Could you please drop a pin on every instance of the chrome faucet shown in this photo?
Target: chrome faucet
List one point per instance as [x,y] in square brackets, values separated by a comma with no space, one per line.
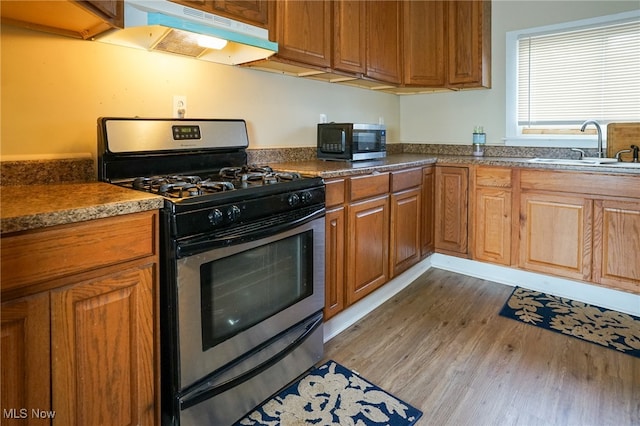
[599,130]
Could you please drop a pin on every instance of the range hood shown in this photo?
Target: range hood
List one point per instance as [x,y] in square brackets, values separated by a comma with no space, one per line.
[161,25]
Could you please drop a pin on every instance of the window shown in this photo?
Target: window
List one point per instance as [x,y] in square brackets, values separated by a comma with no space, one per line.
[559,76]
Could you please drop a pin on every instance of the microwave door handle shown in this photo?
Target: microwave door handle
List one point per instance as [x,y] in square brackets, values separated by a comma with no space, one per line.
[203,393]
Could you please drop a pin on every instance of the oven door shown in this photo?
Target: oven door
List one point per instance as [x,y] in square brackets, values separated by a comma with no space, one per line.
[235,300]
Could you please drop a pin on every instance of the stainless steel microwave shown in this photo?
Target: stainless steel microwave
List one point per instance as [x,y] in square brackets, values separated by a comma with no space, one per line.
[351,141]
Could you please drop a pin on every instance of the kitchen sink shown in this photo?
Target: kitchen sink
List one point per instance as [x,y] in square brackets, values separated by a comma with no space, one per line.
[606,162]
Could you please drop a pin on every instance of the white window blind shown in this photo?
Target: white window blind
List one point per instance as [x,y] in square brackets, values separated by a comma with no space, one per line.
[567,77]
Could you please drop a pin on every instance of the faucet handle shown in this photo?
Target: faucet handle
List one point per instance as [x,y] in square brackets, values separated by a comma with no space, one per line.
[582,154]
[622,151]
[635,153]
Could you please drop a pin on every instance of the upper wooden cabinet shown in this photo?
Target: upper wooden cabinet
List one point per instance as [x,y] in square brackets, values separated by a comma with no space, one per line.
[303,31]
[254,12]
[424,43]
[469,43]
[396,46]
[384,41]
[349,36]
[78,19]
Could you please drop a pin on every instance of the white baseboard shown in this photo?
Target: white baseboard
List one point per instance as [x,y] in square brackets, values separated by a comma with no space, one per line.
[575,290]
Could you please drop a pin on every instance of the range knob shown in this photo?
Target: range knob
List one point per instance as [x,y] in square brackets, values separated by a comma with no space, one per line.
[233,214]
[294,200]
[215,217]
[305,197]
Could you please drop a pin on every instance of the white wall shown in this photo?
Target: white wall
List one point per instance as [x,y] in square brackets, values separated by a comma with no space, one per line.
[54,88]
[450,117]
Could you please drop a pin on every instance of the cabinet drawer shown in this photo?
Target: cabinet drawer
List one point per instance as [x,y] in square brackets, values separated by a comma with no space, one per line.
[368,186]
[36,256]
[581,183]
[404,179]
[334,192]
[497,177]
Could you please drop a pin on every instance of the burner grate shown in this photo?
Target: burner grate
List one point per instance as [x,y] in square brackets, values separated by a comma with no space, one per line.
[180,186]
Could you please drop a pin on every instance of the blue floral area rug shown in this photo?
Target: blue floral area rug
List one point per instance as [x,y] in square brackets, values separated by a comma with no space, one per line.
[332,395]
[611,329]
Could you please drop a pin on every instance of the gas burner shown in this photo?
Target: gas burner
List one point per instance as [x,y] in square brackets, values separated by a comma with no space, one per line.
[180,186]
[288,176]
[239,172]
[217,186]
[258,175]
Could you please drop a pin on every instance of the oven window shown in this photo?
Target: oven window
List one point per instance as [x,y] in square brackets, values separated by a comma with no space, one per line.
[241,290]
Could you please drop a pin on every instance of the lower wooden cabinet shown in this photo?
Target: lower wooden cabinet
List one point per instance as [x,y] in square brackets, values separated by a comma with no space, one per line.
[406,220]
[581,226]
[405,230]
[555,234]
[334,262]
[451,234]
[376,227]
[367,247]
[102,346]
[428,219]
[616,244]
[26,361]
[82,342]
[491,213]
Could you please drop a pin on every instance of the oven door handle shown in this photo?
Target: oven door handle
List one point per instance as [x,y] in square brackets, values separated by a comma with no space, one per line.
[208,390]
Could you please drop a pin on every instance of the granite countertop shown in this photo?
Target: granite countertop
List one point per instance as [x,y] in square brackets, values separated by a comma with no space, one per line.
[334,169]
[331,169]
[38,206]
[56,203]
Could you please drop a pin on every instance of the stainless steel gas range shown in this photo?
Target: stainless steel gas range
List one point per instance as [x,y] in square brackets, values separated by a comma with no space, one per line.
[242,263]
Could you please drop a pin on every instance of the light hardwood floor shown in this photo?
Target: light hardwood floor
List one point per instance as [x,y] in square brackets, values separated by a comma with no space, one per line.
[441,346]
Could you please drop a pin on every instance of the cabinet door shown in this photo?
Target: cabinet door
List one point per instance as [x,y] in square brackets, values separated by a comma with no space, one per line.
[303,31]
[423,44]
[492,226]
[103,350]
[26,375]
[427,227]
[406,209]
[555,234]
[469,43]
[451,209]
[254,12]
[384,41]
[367,247]
[616,244]
[334,262]
[349,44]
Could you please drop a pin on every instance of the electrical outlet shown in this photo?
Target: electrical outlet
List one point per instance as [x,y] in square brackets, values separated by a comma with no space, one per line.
[179,106]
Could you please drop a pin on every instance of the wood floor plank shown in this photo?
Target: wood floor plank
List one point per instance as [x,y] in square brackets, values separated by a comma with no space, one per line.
[441,346]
